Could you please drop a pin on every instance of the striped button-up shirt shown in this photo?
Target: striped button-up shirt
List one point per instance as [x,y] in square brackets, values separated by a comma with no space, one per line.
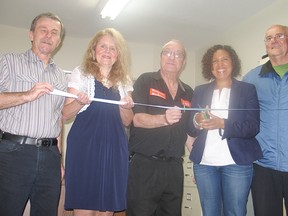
[40,118]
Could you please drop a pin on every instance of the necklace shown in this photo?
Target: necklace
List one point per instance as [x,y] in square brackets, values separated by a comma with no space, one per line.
[105,82]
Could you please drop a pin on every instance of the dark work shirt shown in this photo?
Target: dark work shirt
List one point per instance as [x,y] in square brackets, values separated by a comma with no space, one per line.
[169,140]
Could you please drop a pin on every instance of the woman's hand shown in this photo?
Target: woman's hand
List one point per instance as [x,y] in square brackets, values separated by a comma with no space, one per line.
[126,111]
[214,122]
[128,102]
[83,98]
[73,105]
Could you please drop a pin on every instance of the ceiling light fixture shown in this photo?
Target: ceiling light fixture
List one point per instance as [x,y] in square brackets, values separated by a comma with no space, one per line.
[113,8]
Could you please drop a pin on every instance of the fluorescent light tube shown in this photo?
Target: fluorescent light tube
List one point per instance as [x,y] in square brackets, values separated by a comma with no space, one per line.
[113,8]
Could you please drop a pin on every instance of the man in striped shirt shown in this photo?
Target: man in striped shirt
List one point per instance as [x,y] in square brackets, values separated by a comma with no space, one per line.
[30,123]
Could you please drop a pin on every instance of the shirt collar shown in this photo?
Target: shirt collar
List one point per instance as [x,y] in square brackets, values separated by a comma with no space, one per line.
[267,68]
[158,76]
[32,57]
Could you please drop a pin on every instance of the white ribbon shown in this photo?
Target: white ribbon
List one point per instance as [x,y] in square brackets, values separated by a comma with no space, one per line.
[66,94]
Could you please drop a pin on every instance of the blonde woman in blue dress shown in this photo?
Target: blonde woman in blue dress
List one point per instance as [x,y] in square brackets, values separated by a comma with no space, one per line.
[97,151]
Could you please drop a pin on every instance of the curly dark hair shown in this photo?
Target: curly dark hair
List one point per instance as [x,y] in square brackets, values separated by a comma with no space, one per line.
[208,56]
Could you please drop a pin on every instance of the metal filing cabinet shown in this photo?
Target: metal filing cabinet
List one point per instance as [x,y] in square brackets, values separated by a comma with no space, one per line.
[191,203]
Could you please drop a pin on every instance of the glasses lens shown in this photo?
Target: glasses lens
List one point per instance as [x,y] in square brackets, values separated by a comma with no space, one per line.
[177,54]
[279,36]
[166,53]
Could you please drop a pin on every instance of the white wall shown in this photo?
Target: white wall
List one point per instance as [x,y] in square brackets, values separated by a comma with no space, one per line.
[17,40]
[144,57]
[248,37]
[248,41]
[13,39]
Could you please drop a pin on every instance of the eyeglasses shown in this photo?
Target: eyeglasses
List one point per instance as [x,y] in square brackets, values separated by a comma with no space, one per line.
[177,54]
[279,36]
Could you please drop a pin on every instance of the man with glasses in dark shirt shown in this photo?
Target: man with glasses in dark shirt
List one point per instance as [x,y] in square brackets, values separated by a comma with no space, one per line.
[158,137]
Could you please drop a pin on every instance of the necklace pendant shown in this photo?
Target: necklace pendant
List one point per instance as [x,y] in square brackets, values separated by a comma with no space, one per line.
[105,82]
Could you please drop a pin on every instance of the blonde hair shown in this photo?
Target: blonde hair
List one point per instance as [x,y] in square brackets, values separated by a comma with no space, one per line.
[120,71]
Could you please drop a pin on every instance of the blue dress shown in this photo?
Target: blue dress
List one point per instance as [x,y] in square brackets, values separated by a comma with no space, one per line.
[96,168]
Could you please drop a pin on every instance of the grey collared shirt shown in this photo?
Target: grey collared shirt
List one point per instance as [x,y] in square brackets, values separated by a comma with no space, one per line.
[40,118]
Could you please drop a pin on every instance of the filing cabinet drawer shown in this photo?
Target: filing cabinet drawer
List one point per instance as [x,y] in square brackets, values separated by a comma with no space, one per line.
[188,172]
[191,203]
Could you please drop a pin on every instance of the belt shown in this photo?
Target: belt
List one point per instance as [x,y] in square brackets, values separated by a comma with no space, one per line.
[154,157]
[44,142]
[163,158]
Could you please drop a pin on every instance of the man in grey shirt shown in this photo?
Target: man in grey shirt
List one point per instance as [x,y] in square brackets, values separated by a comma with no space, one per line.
[30,123]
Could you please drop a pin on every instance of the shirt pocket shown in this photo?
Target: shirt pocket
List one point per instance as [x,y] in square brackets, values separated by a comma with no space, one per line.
[24,82]
[26,78]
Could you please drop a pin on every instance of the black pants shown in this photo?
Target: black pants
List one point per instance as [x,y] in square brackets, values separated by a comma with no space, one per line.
[29,172]
[155,186]
[269,188]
